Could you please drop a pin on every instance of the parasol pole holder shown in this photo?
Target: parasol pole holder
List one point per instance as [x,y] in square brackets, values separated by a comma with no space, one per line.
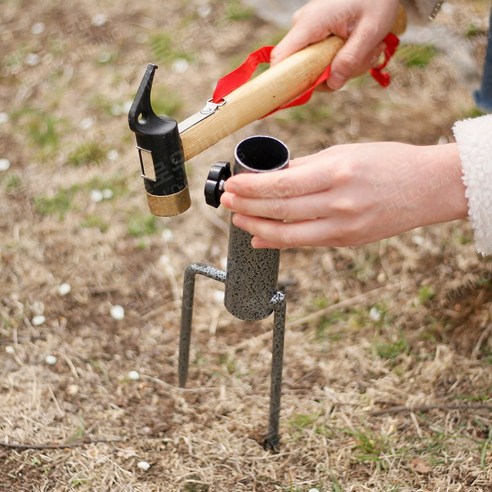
[251,276]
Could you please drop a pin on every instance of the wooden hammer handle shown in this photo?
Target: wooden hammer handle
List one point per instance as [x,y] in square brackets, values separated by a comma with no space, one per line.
[273,88]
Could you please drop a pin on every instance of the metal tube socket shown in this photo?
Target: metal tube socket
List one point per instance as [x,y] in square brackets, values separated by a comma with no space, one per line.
[252,274]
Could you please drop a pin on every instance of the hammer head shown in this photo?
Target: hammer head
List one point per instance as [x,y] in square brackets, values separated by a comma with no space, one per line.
[160,152]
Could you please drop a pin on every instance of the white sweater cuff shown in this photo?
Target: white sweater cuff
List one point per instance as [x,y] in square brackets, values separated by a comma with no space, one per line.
[474,138]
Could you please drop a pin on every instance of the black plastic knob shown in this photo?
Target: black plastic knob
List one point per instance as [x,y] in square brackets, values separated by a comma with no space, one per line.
[214,187]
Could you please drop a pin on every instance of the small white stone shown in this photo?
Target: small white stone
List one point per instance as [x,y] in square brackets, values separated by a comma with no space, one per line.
[50,360]
[167,235]
[87,123]
[72,389]
[64,289]
[107,193]
[4,164]
[38,320]
[37,28]
[32,59]
[418,240]
[313,490]
[117,109]
[104,57]
[164,260]
[9,349]
[204,11]
[134,375]
[143,465]
[381,277]
[180,66]
[375,314]
[99,20]
[4,117]
[112,155]
[97,196]
[126,106]
[117,312]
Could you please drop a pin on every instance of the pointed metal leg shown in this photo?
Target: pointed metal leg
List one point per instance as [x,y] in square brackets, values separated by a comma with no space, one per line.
[187,313]
[272,440]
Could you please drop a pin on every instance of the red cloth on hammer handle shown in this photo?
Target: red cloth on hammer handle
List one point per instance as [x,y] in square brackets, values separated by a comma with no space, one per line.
[245,71]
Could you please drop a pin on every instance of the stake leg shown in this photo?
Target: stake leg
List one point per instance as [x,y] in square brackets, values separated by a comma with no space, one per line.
[272,440]
[187,313]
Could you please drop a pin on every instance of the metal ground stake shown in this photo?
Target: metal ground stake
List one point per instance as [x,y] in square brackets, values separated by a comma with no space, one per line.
[251,277]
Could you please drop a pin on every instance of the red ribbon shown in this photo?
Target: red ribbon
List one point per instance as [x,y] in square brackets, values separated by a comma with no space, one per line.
[383,78]
[245,71]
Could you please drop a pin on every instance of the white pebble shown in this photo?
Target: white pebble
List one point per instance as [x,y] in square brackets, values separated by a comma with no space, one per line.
[167,235]
[38,320]
[86,123]
[97,196]
[4,164]
[37,28]
[9,349]
[164,260]
[107,193]
[50,360]
[4,117]
[204,11]
[72,389]
[117,109]
[64,289]
[313,490]
[180,66]
[112,155]
[104,57]
[143,465]
[127,105]
[375,314]
[117,312]
[134,375]
[32,59]
[99,20]
[418,240]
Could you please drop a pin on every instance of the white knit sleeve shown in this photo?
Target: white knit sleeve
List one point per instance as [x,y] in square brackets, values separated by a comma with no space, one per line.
[474,138]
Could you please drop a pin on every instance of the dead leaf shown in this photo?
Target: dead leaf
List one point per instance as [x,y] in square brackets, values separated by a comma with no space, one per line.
[421,466]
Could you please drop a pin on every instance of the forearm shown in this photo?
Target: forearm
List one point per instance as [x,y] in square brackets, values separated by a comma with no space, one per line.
[439,193]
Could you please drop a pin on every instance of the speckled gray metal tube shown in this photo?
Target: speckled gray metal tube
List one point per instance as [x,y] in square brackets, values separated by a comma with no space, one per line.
[252,274]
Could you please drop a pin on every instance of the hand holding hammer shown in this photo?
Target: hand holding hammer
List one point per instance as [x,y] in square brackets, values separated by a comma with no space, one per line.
[164,146]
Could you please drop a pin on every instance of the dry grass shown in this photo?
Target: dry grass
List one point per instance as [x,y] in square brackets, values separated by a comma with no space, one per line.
[389,390]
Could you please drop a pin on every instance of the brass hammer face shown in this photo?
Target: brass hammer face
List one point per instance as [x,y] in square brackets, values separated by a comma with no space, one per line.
[160,152]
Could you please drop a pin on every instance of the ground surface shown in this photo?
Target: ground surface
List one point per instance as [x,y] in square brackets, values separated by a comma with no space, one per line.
[388,355]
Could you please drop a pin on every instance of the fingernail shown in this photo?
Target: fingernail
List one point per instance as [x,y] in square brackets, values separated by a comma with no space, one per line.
[226,200]
[335,81]
[257,243]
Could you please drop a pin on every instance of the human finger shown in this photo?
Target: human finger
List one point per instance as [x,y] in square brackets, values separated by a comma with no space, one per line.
[297,208]
[350,59]
[291,182]
[301,35]
[281,235]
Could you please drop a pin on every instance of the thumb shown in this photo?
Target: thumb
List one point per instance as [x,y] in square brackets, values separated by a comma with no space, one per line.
[296,39]
[352,55]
